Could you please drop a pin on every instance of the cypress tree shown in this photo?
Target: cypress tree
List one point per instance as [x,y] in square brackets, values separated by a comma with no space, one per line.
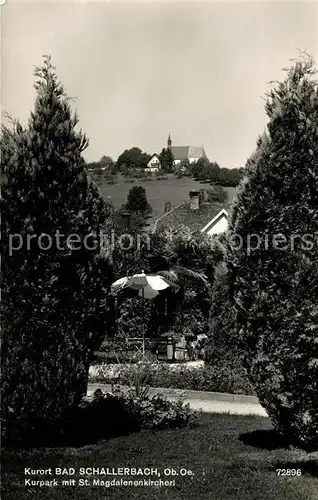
[55,286]
[273,258]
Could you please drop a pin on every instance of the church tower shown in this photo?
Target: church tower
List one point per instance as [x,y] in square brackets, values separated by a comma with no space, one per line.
[169,142]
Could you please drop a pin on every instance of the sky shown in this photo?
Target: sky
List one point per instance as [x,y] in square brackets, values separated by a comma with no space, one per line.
[139,71]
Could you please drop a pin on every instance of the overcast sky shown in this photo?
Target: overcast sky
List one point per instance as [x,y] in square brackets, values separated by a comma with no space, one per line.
[141,70]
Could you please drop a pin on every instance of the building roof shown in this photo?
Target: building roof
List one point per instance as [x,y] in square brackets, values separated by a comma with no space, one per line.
[193,219]
[187,152]
[223,214]
[155,155]
[196,152]
[180,152]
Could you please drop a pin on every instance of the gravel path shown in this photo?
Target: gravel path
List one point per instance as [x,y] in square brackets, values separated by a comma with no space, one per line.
[233,408]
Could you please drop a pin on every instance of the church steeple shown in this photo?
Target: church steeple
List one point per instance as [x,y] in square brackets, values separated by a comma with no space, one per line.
[169,142]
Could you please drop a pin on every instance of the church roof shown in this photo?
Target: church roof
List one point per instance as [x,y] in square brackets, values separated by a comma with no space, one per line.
[196,152]
[187,152]
[180,152]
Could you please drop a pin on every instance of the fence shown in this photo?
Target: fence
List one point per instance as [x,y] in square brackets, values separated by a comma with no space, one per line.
[130,350]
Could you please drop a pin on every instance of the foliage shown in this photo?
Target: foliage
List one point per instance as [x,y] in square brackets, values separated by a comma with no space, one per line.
[104,166]
[158,413]
[187,261]
[133,158]
[119,350]
[137,200]
[106,415]
[184,249]
[107,164]
[183,166]
[133,317]
[192,318]
[217,193]
[222,346]
[55,308]
[94,167]
[216,378]
[275,283]
[203,170]
[166,160]
[140,388]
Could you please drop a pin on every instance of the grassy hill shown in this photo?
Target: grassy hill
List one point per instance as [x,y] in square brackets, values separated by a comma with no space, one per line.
[159,192]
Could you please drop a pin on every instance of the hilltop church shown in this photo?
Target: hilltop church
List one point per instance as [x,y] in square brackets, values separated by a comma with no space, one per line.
[181,153]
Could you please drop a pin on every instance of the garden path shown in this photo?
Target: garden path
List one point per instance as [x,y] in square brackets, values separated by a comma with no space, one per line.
[231,407]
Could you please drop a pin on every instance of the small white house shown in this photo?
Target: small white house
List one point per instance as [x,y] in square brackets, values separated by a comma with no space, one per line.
[153,164]
[219,224]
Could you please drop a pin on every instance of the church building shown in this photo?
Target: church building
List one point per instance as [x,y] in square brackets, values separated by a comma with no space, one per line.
[181,153]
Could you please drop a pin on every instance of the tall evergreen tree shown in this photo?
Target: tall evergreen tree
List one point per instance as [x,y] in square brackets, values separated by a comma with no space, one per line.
[166,160]
[55,289]
[273,258]
[137,200]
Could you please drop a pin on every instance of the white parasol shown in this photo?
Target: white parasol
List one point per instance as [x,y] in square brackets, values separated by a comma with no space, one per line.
[148,287]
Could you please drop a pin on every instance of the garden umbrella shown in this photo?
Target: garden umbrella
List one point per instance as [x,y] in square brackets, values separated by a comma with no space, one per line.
[148,287]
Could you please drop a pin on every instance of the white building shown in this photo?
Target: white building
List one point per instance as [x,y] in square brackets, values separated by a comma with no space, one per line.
[153,164]
[219,223]
[182,153]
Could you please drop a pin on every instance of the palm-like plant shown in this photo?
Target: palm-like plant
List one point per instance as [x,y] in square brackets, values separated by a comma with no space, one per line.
[189,258]
[178,276]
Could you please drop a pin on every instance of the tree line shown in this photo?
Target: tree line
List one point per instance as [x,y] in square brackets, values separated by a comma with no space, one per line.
[134,159]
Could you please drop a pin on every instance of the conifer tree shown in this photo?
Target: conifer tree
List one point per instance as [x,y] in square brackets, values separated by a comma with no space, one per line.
[55,287]
[166,160]
[137,200]
[273,258]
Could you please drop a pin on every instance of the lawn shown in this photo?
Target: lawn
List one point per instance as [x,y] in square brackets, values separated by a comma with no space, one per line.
[159,192]
[231,457]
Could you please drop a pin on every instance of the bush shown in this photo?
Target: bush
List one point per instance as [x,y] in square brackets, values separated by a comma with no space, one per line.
[158,413]
[275,283]
[218,378]
[119,413]
[137,200]
[222,345]
[216,194]
[55,308]
[108,415]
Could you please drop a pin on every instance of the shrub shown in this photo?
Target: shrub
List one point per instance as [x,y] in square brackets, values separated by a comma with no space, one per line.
[217,194]
[118,413]
[222,347]
[158,413]
[218,378]
[275,283]
[107,415]
[54,298]
[137,200]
